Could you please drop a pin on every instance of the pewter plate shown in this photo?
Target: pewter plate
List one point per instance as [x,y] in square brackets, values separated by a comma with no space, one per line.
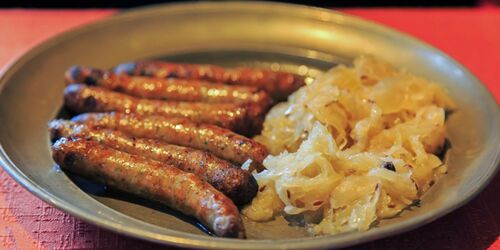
[279,36]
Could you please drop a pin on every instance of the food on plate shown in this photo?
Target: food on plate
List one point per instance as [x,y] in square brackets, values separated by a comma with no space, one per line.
[237,184]
[357,145]
[153,132]
[221,142]
[277,83]
[242,118]
[152,179]
[170,89]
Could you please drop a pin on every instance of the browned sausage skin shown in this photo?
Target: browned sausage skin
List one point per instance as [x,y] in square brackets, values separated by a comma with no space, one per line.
[168,89]
[153,180]
[279,84]
[238,184]
[242,118]
[221,142]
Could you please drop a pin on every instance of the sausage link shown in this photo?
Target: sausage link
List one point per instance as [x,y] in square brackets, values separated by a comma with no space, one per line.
[152,180]
[244,118]
[170,89]
[278,83]
[239,185]
[221,142]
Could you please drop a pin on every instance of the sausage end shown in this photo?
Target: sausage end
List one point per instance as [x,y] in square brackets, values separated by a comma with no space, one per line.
[126,68]
[80,74]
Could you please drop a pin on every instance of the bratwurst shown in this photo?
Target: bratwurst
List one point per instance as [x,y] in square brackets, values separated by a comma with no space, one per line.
[278,83]
[242,118]
[239,185]
[221,142]
[152,180]
[168,89]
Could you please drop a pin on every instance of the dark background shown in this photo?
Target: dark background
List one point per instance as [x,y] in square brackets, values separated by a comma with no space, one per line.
[135,3]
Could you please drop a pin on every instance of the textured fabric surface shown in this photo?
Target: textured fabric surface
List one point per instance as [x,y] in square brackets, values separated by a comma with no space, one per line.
[472,36]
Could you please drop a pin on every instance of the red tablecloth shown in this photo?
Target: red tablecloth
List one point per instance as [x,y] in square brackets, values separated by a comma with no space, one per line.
[472,36]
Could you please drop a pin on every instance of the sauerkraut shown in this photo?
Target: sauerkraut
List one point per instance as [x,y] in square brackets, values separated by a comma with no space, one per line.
[357,145]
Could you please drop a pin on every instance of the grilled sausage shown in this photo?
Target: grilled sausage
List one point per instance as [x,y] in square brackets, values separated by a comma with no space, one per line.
[238,184]
[279,84]
[152,180]
[221,142]
[240,118]
[168,89]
